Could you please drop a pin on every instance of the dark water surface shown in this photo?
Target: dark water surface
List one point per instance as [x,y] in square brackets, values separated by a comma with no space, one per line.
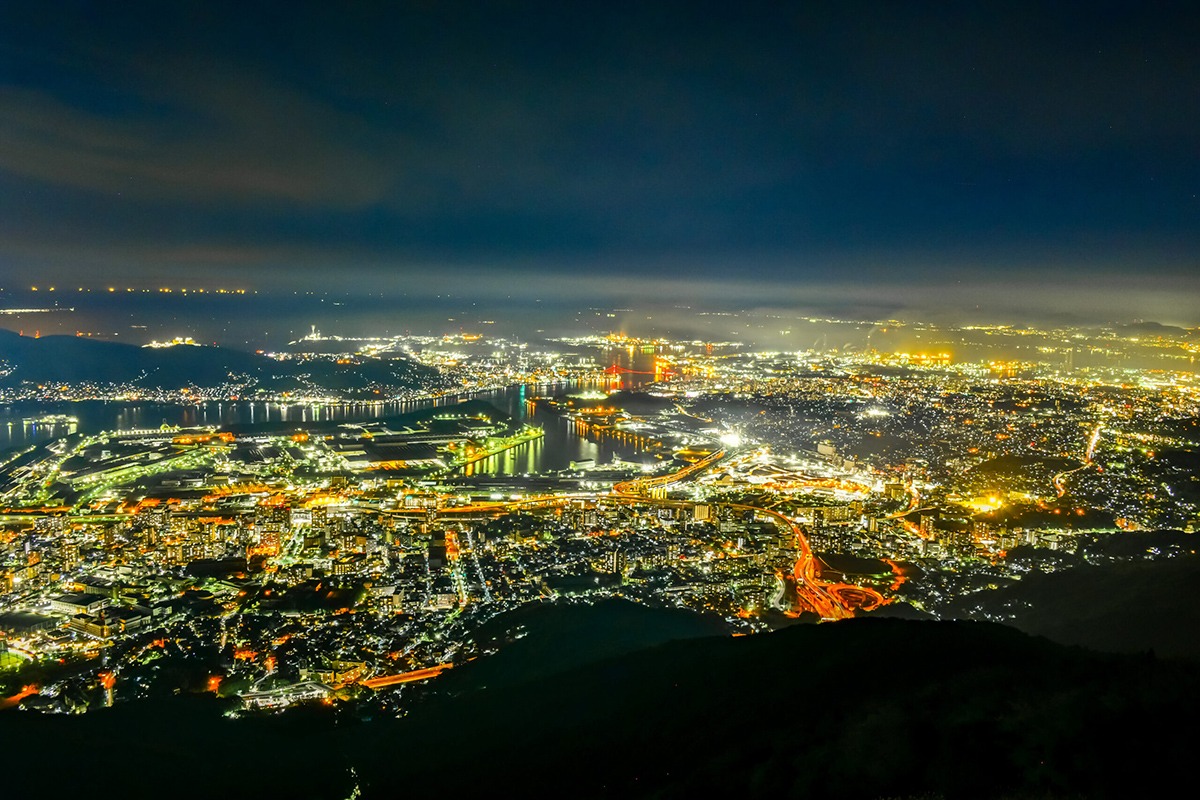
[20,425]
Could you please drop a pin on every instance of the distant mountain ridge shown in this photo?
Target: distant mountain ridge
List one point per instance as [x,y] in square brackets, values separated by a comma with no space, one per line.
[72,360]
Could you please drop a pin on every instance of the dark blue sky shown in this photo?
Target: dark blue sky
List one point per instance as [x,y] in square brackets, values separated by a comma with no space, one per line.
[769,150]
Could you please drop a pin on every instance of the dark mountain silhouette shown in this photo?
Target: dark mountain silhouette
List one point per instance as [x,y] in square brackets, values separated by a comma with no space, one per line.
[53,360]
[542,640]
[859,709]
[1124,607]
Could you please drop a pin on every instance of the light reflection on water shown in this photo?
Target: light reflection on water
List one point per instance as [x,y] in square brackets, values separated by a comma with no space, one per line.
[562,443]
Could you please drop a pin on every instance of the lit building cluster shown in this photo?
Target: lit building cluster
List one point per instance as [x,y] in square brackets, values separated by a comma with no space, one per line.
[327,558]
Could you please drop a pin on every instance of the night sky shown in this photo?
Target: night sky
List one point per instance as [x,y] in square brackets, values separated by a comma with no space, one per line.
[1027,155]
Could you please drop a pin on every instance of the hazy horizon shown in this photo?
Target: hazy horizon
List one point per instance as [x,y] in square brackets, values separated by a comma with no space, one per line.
[990,160]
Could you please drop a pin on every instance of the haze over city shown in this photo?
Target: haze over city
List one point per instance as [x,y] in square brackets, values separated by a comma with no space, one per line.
[599,399]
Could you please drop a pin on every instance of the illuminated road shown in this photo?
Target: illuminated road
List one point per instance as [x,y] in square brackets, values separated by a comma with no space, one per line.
[1095,440]
[406,677]
[914,504]
[829,600]
[687,413]
[636,486]
[496,507]
[14,700]
[1060,480]
[900,572]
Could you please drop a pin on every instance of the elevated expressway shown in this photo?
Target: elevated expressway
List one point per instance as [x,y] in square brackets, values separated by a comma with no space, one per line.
[828,599]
